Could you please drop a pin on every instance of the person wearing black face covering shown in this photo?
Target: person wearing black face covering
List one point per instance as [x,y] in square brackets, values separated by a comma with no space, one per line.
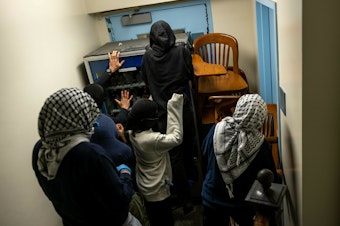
[151,148]
[109,131]
[167,69]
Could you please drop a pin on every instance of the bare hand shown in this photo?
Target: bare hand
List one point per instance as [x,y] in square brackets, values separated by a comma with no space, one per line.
[120,129]
[114,64]
[125,100]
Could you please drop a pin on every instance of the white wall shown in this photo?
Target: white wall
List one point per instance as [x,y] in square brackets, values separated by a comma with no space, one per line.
[237,18]
[42,45]
[320,118]
[289,16]
[308,35]
[105,5]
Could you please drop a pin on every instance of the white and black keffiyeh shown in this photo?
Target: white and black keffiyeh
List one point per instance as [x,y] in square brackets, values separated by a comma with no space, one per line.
[237,139]
[65,120]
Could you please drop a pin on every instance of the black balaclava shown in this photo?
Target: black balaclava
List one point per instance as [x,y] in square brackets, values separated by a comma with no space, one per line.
[162,37]
[96,91]
[143,115]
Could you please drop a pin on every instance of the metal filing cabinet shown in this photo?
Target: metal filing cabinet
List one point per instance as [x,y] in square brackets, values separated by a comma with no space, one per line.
[129,77]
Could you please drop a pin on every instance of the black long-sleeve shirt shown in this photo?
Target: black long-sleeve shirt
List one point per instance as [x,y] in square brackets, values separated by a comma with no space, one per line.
[167,69]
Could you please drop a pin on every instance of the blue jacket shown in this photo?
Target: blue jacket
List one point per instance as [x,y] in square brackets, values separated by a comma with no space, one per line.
[106,135]
[214,191]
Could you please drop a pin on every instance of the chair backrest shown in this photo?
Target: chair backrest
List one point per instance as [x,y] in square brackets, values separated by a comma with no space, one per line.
[269,128]
[270,131]
[223,105]
[218,48]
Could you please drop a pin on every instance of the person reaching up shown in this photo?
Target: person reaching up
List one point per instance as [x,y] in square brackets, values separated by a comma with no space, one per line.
[151,148]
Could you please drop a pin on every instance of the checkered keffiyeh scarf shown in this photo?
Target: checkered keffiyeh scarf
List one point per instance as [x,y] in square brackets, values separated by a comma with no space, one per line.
[65,120]
[237,139]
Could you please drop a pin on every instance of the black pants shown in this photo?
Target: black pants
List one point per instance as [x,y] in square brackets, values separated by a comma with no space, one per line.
[160,213]
[182,156]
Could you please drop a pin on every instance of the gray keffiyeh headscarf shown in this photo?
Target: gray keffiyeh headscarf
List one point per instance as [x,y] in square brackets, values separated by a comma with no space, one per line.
[237,139]
[65,120]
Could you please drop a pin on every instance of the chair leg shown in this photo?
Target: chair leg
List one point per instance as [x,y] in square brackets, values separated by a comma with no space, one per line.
[199,108]
[232,222]
[261,220]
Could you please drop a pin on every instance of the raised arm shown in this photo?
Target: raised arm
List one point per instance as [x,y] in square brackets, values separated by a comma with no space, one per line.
[114,65]
[174,131]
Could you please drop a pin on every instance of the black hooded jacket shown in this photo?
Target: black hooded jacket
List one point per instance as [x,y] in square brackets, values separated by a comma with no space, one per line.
[166,68]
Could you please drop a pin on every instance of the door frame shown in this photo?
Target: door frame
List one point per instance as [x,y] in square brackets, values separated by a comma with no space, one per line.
[266,28]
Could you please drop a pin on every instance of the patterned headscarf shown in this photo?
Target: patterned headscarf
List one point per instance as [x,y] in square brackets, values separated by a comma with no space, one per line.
[237,139]
[65,120]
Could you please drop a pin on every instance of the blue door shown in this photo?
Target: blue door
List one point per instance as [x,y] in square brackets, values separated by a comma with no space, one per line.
[193,16]
[267,49]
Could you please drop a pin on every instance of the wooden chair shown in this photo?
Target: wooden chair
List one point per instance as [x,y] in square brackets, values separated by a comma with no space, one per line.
[223,106]
[270,131]
[215,62]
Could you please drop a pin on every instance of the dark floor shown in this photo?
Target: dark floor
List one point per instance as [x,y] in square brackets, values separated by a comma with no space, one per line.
[194,218]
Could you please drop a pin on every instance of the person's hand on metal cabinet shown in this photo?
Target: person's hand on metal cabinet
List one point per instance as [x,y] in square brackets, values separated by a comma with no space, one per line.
[125,99]
[114,64]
